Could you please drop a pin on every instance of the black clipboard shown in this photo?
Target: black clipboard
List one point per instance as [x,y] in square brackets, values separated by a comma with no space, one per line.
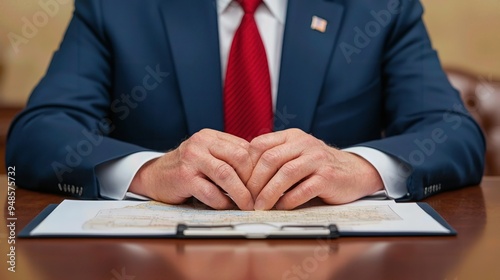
[248,231]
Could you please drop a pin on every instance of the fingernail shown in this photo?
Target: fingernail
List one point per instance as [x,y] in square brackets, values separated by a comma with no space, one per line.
[259,205]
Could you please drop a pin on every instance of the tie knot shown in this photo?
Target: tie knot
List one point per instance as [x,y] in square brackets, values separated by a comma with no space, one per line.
[249,6]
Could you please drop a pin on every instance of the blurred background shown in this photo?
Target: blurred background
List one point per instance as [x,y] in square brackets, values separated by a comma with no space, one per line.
[465,33]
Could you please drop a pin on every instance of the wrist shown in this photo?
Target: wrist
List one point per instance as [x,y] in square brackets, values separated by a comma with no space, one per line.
[371,177]
[140,183]
[367,176]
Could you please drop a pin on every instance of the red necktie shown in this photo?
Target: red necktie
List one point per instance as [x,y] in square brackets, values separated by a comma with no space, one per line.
[247,90]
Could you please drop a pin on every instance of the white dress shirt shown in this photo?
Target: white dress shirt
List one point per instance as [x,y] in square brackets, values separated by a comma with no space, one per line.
[115,176]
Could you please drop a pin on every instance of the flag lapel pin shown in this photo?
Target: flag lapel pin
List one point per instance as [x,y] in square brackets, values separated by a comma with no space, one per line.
[318,24]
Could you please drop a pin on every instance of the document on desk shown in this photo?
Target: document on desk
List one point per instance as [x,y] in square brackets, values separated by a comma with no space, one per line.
[133,218]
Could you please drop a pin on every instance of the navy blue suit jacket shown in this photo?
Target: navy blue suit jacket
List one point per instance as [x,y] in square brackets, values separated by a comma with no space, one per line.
[141,75]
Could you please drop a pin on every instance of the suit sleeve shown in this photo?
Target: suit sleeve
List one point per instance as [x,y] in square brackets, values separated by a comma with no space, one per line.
[62,135]
[427,126]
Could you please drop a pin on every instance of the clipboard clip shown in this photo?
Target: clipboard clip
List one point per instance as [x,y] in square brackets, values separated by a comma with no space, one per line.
[258,231]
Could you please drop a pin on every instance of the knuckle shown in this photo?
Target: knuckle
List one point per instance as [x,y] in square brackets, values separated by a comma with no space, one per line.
[243,195]
[187,151]
[311,141]
[253,184]
[289,169]
[245,145]
[213,198]
[270,193]
[296,131]
[206,190]
[266,195]
[319,156]
[258,144]
[207,193]
[308,190]
[328,173]
[198,137]
[223,171]
[270,157]
[204,131]
[240,155]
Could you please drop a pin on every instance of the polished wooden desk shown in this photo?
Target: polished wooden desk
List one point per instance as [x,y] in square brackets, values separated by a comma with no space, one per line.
[474,254]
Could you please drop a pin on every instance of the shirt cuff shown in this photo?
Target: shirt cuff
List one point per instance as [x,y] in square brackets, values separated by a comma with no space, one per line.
[116,176]
[388,167]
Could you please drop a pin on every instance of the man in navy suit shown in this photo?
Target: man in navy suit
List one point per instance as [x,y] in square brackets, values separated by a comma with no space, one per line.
[360,104]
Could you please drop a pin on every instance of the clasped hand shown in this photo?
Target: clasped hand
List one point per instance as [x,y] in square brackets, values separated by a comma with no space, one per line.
[282,169]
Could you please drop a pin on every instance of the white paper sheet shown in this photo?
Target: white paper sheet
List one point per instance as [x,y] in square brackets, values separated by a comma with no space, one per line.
[129,218]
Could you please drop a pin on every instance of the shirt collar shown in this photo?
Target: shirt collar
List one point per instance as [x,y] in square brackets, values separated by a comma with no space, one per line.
[277,7]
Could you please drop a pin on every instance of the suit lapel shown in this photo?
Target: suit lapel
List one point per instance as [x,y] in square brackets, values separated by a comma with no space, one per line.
[192,31]
[305,58]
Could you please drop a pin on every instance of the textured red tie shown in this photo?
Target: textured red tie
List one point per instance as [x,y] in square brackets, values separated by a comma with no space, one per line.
[247,90]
